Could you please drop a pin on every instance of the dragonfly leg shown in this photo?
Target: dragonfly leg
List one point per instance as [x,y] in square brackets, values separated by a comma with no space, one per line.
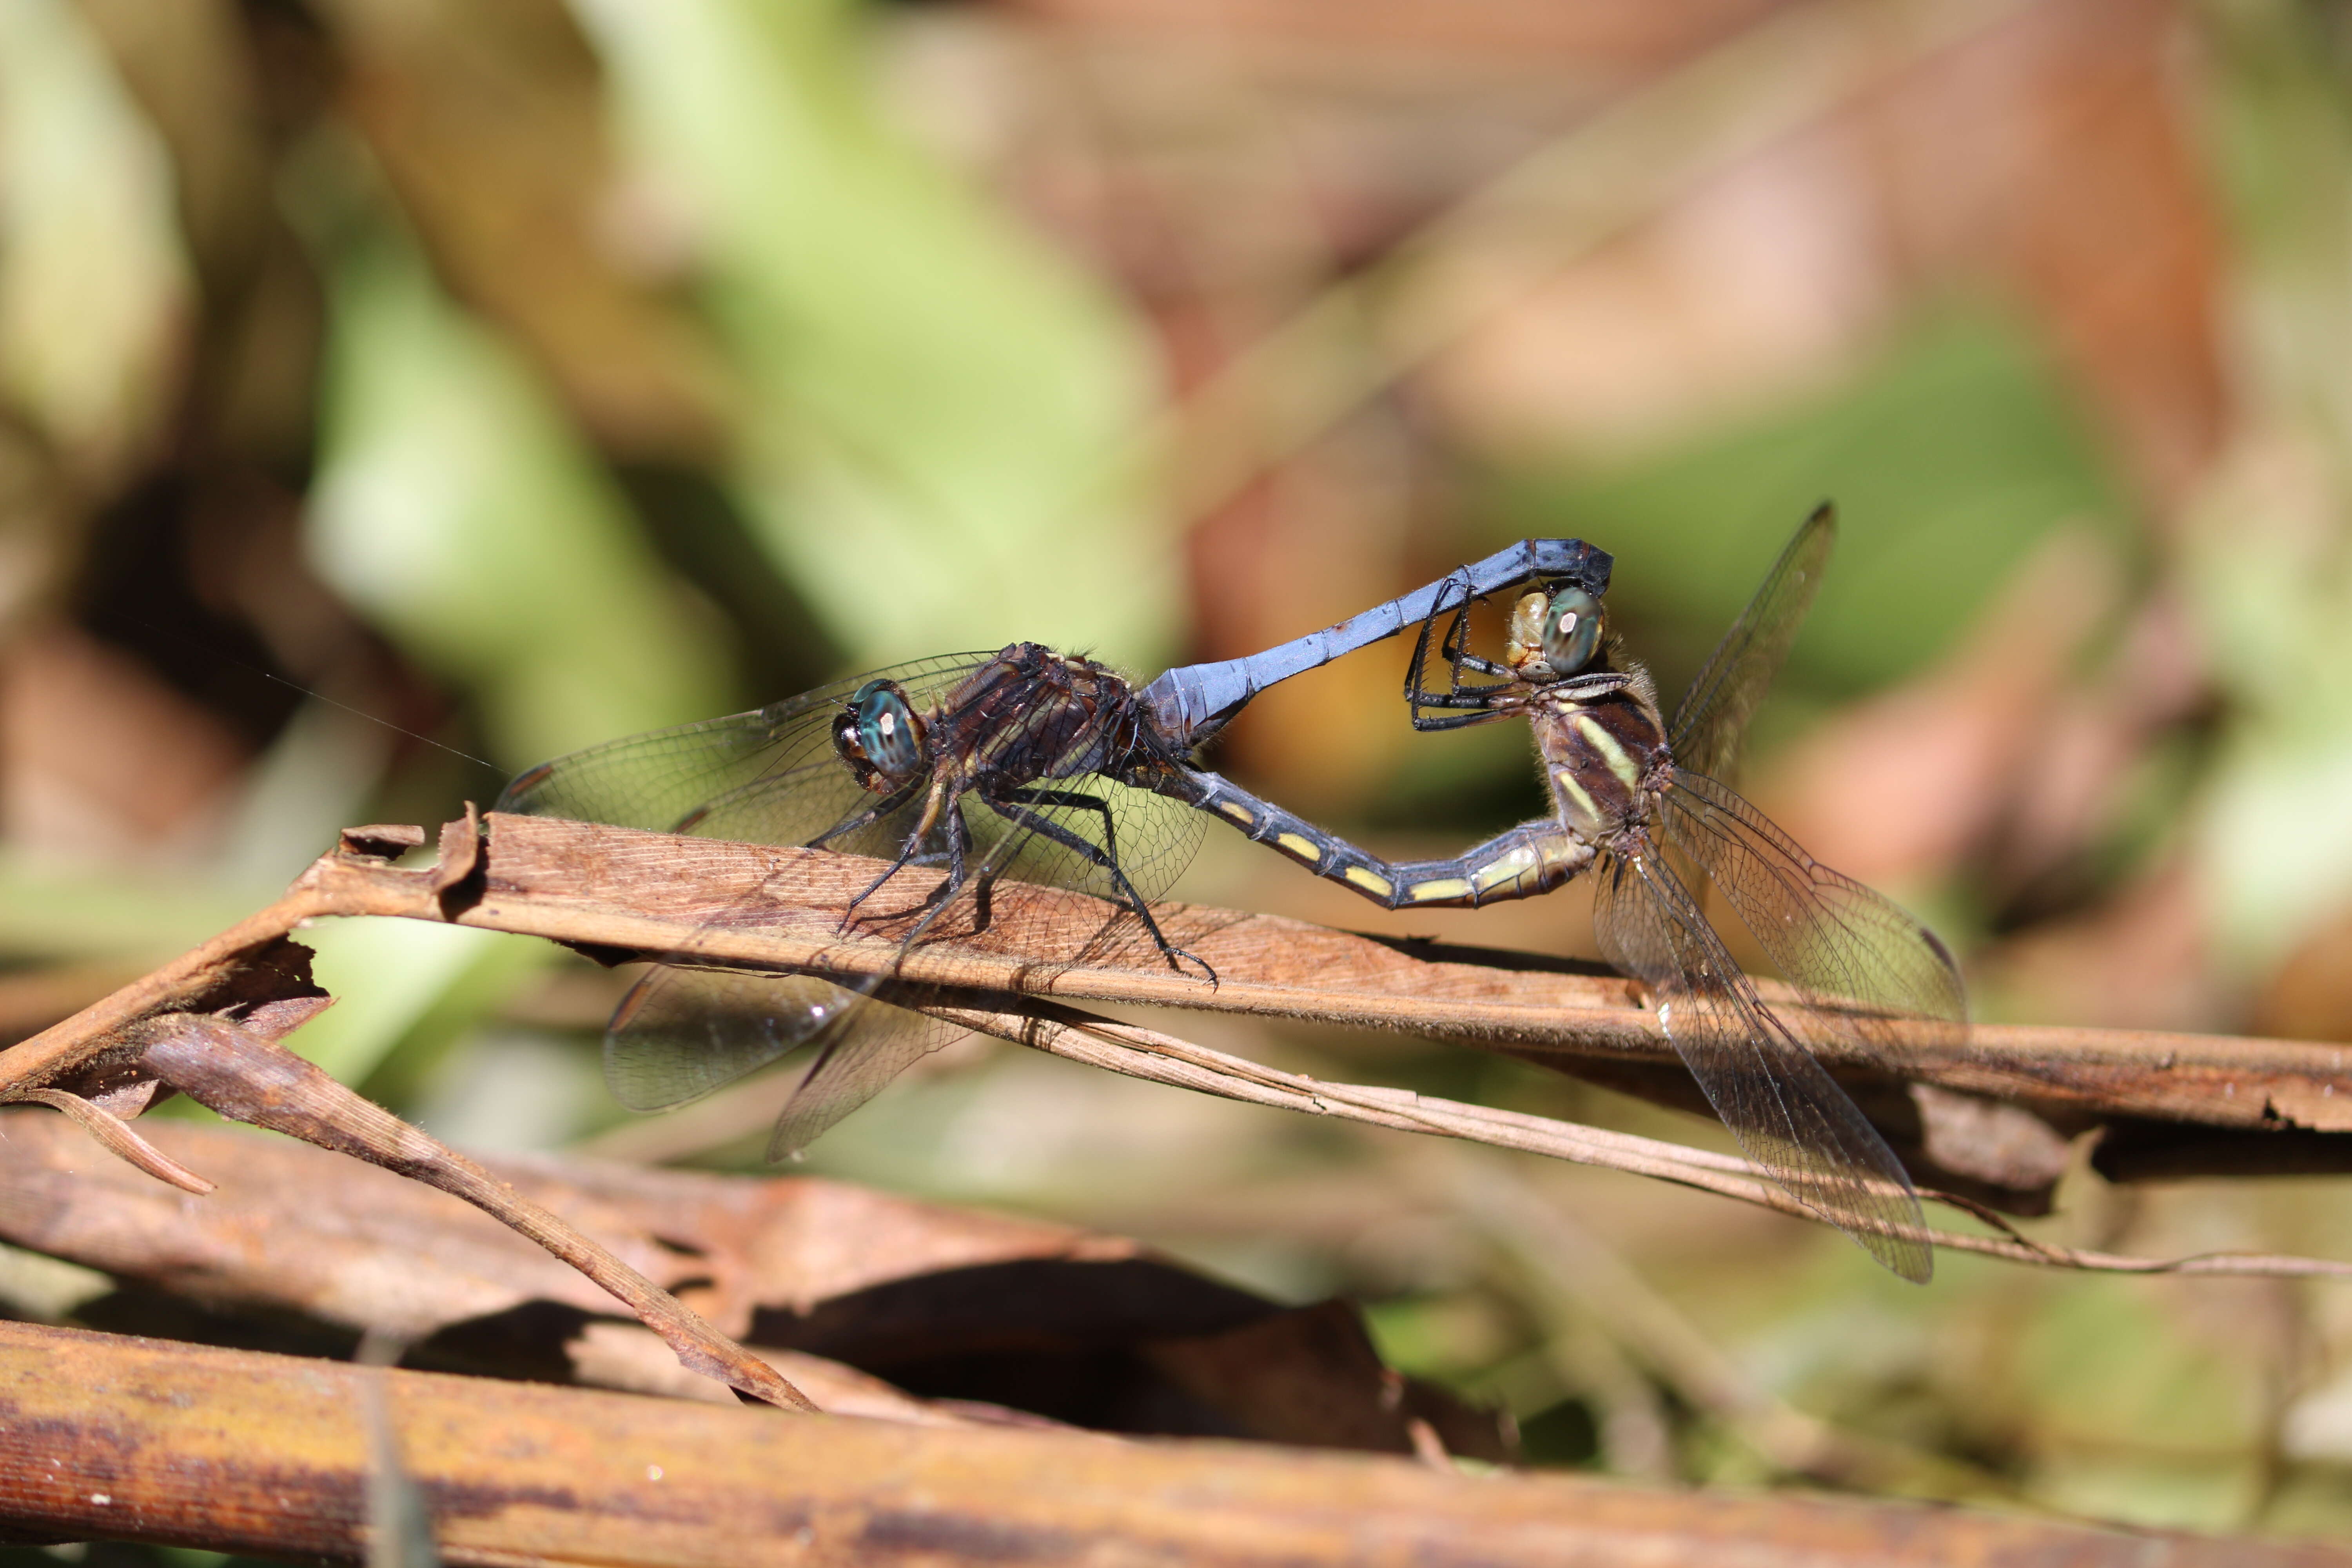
[1079,800]
[1529,860]
[870,815]
[1418,694]
[1455,651]
[1015,804]
[907,856]
[1429,725]
[984,887]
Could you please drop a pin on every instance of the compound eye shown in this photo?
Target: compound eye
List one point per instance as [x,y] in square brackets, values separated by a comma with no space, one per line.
[1572,627]
[1523,640]
[880,729]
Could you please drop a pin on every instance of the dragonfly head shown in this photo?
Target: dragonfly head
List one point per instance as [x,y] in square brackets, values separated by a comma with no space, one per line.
[879,735]
[1554,635]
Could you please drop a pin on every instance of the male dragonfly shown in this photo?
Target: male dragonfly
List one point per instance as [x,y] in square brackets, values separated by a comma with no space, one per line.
[1020,766]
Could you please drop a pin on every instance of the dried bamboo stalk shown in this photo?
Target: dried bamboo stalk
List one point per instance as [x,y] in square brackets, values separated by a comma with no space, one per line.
[127,1439]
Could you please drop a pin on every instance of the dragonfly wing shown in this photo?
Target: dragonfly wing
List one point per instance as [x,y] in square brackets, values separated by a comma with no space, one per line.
[1090,834]
[680,1033]
[771,777]
[1713,717]
[1042,811]
[768,776]
[650,780]
[1874,973]
[1062,832]
[1085,832]
[1788,1115]
[866,1049]
[746,774]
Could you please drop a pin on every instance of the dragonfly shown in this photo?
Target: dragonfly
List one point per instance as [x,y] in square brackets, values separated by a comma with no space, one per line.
[1649,799]
[1643,804]
[1006,770]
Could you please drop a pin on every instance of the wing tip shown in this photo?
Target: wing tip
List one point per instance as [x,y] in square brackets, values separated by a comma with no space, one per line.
[1913,1262]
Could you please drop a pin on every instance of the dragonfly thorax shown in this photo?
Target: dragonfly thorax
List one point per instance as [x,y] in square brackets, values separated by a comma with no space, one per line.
[1032,714]
[1605,758]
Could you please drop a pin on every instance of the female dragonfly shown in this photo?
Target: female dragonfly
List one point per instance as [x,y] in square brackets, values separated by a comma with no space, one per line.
[1643,803]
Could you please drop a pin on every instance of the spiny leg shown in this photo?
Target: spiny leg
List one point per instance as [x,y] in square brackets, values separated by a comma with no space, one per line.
[934,903]
[1106,857]
[1078,800]
[1455,651]
[1432,725]
[907,856]
[984,881]
[1013,804]
[1417,693]
[872,814]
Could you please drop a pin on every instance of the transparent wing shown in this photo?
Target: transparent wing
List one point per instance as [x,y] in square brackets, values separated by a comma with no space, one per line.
[771,777]
[1788,1115]
[866,1050]
[682,1033]
[1708,726]
[1876,975]
[768,776]
[1089,833]
[1034,806]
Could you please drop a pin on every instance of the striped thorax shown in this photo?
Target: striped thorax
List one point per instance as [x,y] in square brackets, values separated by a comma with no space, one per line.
[1604,756]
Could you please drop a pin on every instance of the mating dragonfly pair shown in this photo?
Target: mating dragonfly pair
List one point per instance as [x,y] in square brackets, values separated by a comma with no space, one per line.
[1031,767]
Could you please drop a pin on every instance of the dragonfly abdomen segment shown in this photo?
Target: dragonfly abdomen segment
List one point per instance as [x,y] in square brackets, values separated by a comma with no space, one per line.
[1529,860]
[1186,706]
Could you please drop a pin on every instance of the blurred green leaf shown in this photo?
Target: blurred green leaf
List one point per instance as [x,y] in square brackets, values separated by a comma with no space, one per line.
[456,507]
[406,986]
[94,286]
[936,400]
[2270,565]
[2274,834]
[1448,1338]
[59,912]
[2130,1416]
[1946,462]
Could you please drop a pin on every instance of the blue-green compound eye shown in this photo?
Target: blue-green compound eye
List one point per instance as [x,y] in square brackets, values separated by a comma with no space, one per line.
[1571,631]
[889,734]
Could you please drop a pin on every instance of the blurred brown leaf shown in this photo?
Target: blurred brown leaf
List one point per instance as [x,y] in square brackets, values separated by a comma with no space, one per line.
[99,756]
[1903,788]
[491,124]
[1089,1328]
[2310,997]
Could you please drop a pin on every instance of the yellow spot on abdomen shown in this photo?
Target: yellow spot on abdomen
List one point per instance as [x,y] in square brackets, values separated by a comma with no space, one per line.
[1370,881]
[1438,888]
[1306,849]
[1503,868]
[1238,811]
